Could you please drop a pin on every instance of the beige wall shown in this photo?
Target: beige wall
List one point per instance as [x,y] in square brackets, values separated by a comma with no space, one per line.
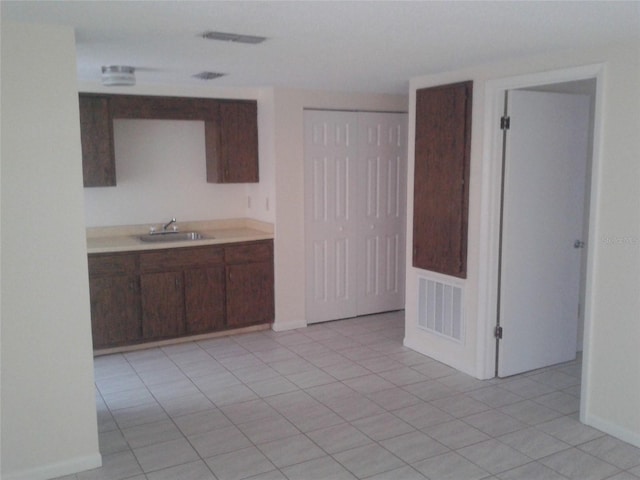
[48,420]
[288,124]
[611,390]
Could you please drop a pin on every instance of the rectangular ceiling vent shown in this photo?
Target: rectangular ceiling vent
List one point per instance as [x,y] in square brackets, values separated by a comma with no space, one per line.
[233,37]
[208,75]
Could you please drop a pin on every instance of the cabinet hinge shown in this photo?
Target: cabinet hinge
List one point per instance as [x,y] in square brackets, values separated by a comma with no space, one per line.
[497,333]
[505,123]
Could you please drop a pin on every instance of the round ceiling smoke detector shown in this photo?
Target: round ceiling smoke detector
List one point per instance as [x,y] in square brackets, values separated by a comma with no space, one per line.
[117,75]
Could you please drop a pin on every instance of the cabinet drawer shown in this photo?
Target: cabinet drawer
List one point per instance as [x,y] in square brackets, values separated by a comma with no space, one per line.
[254,252]
[111,264]
[179,258]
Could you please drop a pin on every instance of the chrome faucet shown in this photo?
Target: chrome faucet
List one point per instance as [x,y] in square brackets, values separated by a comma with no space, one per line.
[168,224]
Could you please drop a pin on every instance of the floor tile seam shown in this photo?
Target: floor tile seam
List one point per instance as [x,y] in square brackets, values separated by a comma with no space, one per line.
[257,445]
[184,436]
[333,456]
[573,447]
[530,463]
[253,445]
[536,400]
[582,444]
[182,367]
[497,439]
[283,417]
[457,451]
[414,429]
[131,363]
[188,440]
[174,465]
[369,395]
[134,457]
[537,427]
[370,442]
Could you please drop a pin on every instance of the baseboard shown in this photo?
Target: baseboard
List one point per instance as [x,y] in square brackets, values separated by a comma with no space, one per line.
[283,326]
[54,470]
[613,429]
[418,347]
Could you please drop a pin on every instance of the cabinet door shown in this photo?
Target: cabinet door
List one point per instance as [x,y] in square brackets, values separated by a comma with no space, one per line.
[441,180]
[162,305]
[232,143]
[96,132]
[250,294]
[115,310]
[204,298]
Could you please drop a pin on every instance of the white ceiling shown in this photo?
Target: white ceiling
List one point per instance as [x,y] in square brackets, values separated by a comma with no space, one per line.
[365,46]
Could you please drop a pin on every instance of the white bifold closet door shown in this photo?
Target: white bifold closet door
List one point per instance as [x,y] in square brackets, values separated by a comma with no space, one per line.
[355,198]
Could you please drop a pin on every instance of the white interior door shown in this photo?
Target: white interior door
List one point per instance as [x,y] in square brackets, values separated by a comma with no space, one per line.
[381,219]
[331,148]
[355,176]
[544,195]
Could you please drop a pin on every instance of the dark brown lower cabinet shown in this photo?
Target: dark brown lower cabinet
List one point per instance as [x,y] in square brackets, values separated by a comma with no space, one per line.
[115,310]
[162,297]
[114,288]
[204,294]
[152,295]
[249,294]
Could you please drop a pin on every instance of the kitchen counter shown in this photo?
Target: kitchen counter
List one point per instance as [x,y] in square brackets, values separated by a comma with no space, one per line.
[125,238]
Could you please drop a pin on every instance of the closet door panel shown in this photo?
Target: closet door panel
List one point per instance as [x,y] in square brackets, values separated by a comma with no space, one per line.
[381,222]
[330,176]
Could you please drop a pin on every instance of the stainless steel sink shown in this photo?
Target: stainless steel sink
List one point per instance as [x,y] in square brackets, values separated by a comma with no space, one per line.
[172,237]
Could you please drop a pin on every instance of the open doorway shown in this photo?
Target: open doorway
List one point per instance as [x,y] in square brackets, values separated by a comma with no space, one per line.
[489,265]
[547,146]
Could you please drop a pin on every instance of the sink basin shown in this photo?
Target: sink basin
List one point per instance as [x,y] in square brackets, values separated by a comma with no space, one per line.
[172,236]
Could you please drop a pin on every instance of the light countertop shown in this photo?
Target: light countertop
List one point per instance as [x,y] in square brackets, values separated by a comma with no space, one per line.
[125,238]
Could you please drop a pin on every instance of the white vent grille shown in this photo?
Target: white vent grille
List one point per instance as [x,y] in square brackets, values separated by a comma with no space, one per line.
[233,37]
[440,308]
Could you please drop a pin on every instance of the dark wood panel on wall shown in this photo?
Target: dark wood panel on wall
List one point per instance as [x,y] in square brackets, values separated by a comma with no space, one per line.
[163,108]
[96,127]
[231,133]
[232,143]
[441,180]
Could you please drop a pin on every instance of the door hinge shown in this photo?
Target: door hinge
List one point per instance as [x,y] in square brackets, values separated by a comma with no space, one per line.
[497,333]
[505,123]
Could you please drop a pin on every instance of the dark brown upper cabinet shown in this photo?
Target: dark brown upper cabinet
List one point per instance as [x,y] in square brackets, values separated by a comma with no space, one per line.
[231,133]
[96,127]
[232,143]
[441,180]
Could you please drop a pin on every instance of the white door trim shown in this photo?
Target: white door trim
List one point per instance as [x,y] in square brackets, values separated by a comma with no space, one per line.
[490,210]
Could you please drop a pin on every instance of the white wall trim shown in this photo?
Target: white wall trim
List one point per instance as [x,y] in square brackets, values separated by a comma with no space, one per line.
[280,326]
[490,208]
[54,470]
[452,361]
[613,429]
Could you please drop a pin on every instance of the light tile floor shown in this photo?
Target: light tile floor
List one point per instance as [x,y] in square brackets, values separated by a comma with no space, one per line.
[339,400]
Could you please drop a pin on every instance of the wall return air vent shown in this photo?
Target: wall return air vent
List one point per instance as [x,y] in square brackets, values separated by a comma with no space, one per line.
[440,309]
[233,37]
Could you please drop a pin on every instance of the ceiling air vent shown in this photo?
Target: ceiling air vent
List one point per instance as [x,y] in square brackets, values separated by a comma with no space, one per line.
[208,75]
[233,37]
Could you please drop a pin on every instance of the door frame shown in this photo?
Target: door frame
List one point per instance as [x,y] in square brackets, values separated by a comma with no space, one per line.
[491,203]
